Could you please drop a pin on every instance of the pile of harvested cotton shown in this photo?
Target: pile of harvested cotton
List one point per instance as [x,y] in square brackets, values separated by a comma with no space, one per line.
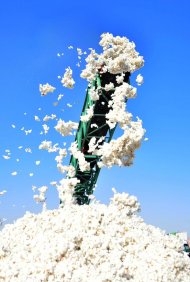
[90,243]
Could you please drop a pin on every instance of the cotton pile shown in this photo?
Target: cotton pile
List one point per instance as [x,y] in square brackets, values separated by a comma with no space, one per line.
[90,243]
[96,242]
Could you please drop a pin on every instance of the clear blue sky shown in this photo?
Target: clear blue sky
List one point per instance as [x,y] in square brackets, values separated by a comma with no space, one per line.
[32,33]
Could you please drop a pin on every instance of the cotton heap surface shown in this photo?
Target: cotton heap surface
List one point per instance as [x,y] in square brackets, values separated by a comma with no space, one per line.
[90,243]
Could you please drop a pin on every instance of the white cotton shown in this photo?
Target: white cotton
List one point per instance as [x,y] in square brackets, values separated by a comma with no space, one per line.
[118,56]
[69,105]
[121,151]
[49,117]
[89,113]
[46,88]
[90,243]
[18,160]
[28,150]
[109,86]
[53,183]
[79,51]
[3,192]
[70,47]
[34,188]
[70,170]
[118,113]
[66,189]
[77,154]
[28,131]
[45,128]
[59,158]
[13,126]
[47,145]
[120,78]
[37,162]
[41,197]
[93,93]
[65,128]
[31,174]
[20,147]
[94,125]
[36,118]
[60,96]
[6,157]
[67,79]
[14,173]
[139,79]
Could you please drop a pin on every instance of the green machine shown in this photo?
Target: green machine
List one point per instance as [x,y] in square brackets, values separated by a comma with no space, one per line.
[85,132]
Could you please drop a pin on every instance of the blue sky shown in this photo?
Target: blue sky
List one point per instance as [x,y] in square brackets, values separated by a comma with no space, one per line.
[32,33]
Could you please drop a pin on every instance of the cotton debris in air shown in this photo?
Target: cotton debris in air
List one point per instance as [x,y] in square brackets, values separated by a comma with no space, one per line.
[46,88]
[67,79]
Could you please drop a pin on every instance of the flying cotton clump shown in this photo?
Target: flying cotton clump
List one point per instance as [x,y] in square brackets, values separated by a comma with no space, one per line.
[47,145]
[65,128]
[119,56]
[36,118]
[121,151]
[3,192]
[67,79]
[45,128]
[6,157]
[51,117]
[41,197]
[46,88]
[139,79]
